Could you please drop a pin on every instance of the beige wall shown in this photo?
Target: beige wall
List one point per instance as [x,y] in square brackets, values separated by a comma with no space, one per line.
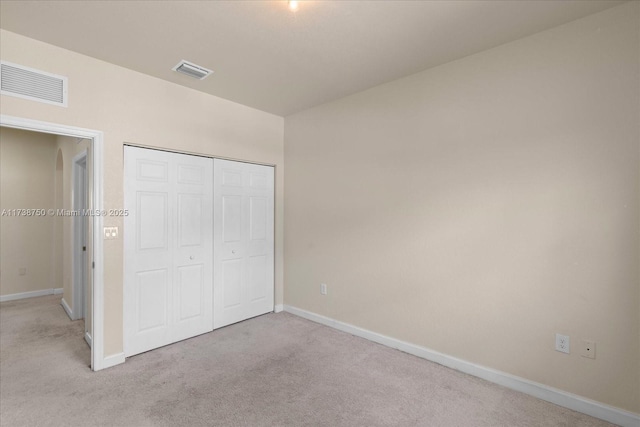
[134,108]
[27,165]
[480,207]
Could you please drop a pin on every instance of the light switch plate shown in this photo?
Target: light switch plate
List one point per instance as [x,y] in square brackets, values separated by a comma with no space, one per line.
[110,233]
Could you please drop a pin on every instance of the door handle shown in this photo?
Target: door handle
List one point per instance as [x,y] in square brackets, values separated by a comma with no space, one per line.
[191,257]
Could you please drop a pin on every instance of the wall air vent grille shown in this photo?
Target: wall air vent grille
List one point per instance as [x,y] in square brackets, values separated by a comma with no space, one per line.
[192,70]
[36,85]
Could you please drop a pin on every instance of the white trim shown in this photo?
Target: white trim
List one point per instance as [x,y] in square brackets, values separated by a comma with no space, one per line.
[67,309]
[113,360]
[562,398]
[87,338]
[30,294]
[97,142]
[278,308]
[78,185]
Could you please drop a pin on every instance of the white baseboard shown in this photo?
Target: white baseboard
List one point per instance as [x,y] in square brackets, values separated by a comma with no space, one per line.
[66,307]
[113,360]
[31,294]
[87,338]
[278,308]
[562,398]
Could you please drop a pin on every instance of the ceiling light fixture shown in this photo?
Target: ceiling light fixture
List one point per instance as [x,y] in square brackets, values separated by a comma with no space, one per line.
[293,5]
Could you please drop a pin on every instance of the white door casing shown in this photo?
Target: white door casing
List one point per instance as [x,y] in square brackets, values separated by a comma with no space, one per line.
[168,246]
[243,241]
[82,249]
[79,223]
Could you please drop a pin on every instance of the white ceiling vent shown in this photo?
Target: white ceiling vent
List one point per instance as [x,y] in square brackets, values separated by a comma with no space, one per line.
[24,82]
[192,70]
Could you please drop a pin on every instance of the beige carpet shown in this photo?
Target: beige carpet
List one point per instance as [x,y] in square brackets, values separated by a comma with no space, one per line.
[274,370]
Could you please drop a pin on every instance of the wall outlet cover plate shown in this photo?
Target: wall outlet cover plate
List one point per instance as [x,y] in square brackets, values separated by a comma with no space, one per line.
[563,343]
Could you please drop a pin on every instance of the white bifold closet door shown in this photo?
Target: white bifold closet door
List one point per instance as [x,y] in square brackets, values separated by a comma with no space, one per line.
[168,248]
[243,241]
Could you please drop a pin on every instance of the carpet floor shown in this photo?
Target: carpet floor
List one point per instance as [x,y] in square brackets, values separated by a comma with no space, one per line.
[273,370]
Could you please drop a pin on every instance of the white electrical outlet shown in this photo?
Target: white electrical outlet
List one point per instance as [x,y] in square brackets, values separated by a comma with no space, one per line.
[563,343]
[22,271]
[588,349]
[323,288]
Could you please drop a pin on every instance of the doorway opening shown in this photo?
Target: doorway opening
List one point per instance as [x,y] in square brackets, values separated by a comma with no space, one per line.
[84,226]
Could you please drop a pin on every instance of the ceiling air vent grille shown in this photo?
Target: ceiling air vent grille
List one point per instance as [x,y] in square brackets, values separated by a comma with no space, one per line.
[192,70]
[28,83]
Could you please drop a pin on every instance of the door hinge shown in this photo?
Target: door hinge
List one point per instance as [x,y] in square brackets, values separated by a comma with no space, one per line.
[93,264]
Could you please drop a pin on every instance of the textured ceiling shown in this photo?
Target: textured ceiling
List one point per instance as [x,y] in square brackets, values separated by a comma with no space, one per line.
[275,60]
